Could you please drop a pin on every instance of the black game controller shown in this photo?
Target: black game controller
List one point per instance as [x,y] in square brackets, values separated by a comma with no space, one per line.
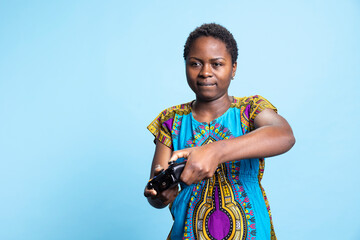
[167,178]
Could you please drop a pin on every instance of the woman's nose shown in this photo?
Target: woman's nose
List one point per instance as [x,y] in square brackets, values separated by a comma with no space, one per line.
[206,71]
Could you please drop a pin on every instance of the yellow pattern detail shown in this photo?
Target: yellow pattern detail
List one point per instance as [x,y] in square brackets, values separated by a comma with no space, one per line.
[228,203]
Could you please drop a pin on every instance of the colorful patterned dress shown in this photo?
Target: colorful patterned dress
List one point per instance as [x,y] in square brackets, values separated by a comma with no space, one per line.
[232,204]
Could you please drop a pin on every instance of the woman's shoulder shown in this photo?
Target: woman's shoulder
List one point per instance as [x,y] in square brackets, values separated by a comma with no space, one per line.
[254,99]
[161,126]
[180,108]
[251,106]
[170,112]
[184,108]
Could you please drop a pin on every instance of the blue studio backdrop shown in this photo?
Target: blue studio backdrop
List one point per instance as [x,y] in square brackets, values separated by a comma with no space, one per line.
[81,80]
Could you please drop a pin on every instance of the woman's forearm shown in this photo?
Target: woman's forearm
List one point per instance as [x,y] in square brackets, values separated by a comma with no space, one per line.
[265,141]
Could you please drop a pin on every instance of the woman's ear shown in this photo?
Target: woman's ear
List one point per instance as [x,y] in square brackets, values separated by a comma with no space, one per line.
[234,70]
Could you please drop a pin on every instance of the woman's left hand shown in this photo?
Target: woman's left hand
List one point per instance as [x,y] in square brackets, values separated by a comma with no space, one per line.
[201,163]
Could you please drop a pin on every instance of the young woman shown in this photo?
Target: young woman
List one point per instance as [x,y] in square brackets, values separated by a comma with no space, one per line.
[224,140]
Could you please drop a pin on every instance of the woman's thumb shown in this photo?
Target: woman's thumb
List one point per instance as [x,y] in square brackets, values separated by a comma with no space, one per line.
[178,154]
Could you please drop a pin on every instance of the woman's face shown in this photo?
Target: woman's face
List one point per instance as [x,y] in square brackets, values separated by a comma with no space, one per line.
[209,68]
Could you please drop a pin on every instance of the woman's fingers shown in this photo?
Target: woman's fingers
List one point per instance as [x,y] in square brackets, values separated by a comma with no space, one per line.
[165,197]
[169,195]
[150,192]
[180,154]
[200,165]
[192,173]
[190,176]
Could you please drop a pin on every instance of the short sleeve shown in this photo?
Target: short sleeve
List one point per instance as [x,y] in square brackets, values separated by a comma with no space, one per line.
[161,127]
[258,104]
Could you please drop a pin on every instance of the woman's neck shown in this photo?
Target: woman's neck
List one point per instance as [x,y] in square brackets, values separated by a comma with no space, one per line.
[207,111]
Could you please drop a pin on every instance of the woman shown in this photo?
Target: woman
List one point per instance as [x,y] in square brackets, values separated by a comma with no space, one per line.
[224,140]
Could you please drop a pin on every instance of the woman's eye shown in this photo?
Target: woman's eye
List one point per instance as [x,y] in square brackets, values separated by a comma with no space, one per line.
[217,64]
[195,64]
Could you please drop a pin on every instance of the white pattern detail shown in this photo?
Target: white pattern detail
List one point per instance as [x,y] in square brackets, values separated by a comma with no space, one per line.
[199,225]
[238,224]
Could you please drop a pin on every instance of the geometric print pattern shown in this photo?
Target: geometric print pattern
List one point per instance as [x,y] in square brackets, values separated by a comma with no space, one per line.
[221,200]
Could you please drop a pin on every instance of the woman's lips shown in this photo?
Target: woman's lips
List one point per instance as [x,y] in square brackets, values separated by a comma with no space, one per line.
[206,84]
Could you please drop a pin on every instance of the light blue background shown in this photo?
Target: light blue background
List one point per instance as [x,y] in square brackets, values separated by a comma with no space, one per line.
[80,81]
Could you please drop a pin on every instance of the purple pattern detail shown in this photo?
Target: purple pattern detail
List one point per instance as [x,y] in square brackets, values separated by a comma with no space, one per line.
[169,123]
[247,111]
[219,222]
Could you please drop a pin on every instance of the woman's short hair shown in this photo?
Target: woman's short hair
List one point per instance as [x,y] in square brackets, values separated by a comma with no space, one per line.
[216,31]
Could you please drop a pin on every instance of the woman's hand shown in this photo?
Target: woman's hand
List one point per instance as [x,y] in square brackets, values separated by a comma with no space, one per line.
[162,199]
[201,162]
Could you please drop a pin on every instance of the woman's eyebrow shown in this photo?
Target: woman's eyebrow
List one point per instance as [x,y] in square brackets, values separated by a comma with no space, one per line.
[195,58]
[212,59]
[218,58]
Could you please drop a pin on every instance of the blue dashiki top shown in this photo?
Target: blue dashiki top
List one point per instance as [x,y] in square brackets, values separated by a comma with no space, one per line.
[232,204]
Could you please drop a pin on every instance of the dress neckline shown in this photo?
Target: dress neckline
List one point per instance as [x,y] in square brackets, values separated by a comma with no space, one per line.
[214,120]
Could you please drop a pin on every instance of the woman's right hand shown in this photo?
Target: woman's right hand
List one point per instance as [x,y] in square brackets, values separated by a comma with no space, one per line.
[201,162]
[162,199]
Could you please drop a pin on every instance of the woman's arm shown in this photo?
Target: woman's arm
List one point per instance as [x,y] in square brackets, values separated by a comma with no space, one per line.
[160,161]
[272,136]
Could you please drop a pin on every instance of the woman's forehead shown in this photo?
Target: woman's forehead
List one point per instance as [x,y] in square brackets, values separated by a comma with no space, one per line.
[208,46]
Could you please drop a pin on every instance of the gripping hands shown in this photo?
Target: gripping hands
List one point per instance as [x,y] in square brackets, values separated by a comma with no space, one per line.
[201,164]
[167,178]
